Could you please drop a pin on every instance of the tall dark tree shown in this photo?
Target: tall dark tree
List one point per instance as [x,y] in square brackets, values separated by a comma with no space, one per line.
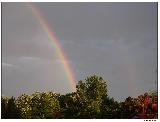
[12,111]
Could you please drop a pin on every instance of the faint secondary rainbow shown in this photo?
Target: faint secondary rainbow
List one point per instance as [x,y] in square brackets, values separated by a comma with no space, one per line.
[57,46]
[130,69]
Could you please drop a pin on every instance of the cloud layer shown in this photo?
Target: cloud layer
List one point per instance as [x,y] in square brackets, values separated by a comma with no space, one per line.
[115,40]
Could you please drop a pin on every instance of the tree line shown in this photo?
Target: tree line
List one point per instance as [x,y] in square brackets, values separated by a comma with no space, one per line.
[89,101]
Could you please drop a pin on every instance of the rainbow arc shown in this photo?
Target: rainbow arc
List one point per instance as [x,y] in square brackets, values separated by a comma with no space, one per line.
[57,46]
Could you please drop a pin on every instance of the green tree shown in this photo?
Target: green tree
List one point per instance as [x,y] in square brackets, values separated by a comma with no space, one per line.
[44,104]
[69,105]
[91,91]
[23,104]
[129,107]
[110,109]
[153,93]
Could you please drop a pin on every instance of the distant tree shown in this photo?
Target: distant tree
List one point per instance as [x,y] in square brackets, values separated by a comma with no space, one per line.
[153,93]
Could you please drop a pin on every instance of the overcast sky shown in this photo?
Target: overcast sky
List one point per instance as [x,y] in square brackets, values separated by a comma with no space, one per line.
[117,41]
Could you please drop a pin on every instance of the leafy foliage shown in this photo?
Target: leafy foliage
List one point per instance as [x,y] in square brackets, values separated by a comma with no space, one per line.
[44,104]
[92,91]
[23,104]
[110,109]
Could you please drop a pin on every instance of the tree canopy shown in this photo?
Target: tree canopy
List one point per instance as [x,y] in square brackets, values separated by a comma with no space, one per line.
[89,101]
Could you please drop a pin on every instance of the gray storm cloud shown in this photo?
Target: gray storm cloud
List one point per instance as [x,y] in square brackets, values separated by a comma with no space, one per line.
[115,40]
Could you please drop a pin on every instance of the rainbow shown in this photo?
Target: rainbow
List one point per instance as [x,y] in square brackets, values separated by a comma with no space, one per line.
[130,69]
[56,43]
